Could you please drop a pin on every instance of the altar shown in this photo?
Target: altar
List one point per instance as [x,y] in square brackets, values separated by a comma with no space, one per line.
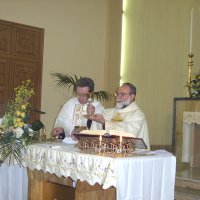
[13,182]
[58,168]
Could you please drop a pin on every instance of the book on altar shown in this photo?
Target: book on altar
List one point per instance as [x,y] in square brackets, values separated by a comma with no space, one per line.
[110,132]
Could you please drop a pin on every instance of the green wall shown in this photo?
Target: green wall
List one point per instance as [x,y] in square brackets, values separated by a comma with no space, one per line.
[155,50]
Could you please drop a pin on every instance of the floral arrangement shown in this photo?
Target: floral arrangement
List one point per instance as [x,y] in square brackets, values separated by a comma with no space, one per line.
[194,86]
[15,132]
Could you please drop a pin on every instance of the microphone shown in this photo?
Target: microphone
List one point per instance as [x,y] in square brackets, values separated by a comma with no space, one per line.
[89,123]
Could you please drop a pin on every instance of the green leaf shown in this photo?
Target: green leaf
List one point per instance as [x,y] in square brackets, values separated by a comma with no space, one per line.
[68,81]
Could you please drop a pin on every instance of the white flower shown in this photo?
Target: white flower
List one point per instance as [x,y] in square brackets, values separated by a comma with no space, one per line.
[30,132]
[18,131]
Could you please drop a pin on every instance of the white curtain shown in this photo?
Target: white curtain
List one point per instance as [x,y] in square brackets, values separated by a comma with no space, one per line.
[189,120]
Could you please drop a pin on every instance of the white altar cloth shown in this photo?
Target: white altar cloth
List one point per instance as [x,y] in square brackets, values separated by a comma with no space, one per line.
[144,176]
[189,119]
[66,160]
[13,182]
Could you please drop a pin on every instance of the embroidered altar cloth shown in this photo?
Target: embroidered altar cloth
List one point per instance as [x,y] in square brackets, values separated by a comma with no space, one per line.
[145,175]
[66,160]
[191,117]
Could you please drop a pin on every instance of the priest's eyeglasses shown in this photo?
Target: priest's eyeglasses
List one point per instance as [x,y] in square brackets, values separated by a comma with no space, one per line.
[121,94]
[83,95]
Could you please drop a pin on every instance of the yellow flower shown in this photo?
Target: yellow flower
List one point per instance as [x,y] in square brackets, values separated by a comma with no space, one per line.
[15,123]
[23,106]
[23,114]
[19,124]
[18,120]
[18,113]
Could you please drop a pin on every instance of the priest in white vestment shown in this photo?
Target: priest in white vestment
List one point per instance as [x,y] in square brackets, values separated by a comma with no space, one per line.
[126,116]
[73,111]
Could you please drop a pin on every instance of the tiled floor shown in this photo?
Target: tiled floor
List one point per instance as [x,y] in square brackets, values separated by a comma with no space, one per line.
[187,182]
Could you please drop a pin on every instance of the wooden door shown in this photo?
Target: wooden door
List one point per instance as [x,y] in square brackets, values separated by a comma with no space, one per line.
[21,53]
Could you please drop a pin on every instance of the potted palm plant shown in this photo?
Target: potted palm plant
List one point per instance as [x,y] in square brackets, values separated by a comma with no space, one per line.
[69,81]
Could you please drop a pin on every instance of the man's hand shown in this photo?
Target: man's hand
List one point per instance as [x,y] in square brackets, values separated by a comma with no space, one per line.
[97,118]
[57,131]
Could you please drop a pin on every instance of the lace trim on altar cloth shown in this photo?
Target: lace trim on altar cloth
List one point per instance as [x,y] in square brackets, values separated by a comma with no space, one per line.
[191,117]
[61,160]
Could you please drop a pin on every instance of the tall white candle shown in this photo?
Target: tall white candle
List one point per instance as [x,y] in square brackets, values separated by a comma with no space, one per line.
[191,27]
[120,144]
[100,139]
[120,139]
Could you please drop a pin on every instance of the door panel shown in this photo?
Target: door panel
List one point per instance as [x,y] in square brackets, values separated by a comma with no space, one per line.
[21,52]
[26,42]
[5,38]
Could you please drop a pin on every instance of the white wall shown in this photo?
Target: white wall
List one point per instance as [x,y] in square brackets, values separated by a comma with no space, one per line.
[79,39]
[75,35]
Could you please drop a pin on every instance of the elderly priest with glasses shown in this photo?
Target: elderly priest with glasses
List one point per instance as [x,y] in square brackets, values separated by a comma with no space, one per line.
[126,116]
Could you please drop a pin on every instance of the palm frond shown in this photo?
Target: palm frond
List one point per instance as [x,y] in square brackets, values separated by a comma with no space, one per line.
[68,81]
[10,150]
[65,80]
[103,96]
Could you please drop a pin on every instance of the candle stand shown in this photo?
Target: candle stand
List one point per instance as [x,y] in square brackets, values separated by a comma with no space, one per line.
[106,147]
[190,64]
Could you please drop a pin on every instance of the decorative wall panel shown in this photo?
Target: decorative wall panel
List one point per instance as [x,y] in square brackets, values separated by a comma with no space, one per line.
[21,51]
[5,38]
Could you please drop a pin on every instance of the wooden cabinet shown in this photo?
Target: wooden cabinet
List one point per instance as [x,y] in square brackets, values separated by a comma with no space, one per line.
[45,186]
[182,105]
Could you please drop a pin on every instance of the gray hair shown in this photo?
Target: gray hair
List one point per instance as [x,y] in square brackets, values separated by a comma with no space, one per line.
[131,87]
